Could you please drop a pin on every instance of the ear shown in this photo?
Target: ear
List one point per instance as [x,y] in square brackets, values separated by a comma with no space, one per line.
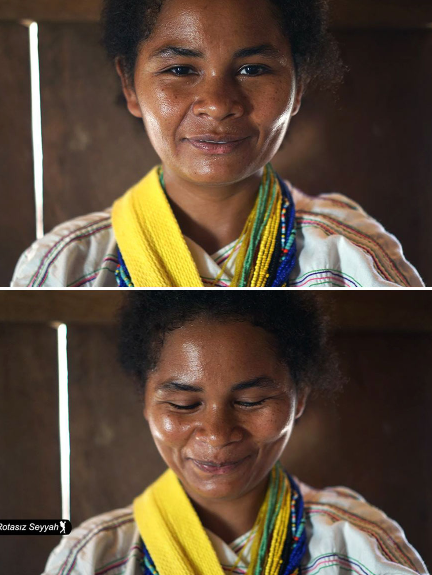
[128,90]
[298,97]
[302,397]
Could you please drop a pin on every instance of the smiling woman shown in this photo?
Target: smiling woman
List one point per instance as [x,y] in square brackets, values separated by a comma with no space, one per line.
[216,85]
[224,377]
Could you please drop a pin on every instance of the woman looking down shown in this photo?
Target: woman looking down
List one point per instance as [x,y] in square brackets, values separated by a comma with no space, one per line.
[224,376]
[216,84]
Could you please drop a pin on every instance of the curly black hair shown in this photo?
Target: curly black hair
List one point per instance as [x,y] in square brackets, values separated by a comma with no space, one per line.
[127,23]
[294,319]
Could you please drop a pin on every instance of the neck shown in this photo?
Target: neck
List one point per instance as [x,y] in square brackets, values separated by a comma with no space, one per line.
[230,519]
[212,216]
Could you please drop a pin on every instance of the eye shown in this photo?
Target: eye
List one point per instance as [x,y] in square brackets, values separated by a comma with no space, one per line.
[253,70]
[250,403]
[184,407]
[179,71]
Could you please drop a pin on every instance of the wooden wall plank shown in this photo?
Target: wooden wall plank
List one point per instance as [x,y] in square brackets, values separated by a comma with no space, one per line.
[29,447]
[407,311]
[376,439]
[113,457]
[373,144]
[17,216]
[94,150]
[382,14]
[66,306]
[51,10]
[344,13]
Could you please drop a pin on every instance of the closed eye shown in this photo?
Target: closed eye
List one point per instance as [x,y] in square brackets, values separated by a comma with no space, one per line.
[184,407]
[250,403]
[192,406]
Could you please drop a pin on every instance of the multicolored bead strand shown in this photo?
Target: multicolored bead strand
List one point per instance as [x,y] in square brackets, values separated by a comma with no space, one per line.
[280,536]
[267,253]
[122,275]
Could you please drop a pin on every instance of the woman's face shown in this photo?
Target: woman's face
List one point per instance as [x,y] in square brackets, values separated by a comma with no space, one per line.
[215,85]
[221,407]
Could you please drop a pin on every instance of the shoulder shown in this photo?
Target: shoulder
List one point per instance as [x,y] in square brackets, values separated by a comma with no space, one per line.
[73,254]
[346,533]
[336,236]
[106,542]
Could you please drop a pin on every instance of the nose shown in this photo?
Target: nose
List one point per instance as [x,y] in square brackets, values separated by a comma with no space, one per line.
[218,428]
[218,97]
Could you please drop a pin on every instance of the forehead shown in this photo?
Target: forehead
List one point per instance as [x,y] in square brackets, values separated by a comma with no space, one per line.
[209,350]
[218,22]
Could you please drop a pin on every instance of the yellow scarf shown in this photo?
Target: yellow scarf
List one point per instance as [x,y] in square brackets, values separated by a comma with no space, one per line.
[150,239]
[172,530]
[178,543]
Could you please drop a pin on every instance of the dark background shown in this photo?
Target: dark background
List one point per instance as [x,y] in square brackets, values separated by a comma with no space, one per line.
[373,143]
[376,438]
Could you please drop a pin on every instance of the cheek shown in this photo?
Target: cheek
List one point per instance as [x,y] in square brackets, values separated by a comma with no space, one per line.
[275,426]
[273,107]
[168,430]
[162,109]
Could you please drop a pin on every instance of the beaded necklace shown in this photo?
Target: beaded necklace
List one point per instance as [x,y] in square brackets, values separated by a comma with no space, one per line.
[280,537]
[267,254]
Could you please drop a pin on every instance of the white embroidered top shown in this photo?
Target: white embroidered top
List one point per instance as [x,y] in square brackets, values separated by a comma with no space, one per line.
[345,534]
[338,245]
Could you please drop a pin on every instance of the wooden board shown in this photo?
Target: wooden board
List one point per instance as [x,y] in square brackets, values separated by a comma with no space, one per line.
[113,457]
[64,306]
[350,310]
[29,447]
[344,13]
[376,438]
[373,144]
[94,149]
[17,214]
[382,14]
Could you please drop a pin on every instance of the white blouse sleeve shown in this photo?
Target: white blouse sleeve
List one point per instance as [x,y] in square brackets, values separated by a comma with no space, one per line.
[347,534]
[340,245]
[78,253]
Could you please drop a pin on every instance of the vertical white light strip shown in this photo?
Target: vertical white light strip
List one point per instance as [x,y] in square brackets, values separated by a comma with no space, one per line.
[64,419]
[36,127]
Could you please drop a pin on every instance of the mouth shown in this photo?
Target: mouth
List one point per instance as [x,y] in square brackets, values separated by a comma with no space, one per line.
[220,144]
[214,468]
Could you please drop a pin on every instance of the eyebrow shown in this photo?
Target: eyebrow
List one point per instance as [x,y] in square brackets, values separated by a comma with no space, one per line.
[177,386]
[266,50]
[260,382]
[176,51]
[263,382]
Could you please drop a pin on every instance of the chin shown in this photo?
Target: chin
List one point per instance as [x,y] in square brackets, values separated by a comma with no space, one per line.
[219,172]
[214,169]
[213,490]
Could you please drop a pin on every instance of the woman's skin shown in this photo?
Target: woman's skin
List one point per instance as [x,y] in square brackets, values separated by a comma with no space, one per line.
[192,82]
[221,407]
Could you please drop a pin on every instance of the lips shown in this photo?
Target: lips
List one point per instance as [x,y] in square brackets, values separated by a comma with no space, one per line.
[217,138]
[217,145]
[218,468]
